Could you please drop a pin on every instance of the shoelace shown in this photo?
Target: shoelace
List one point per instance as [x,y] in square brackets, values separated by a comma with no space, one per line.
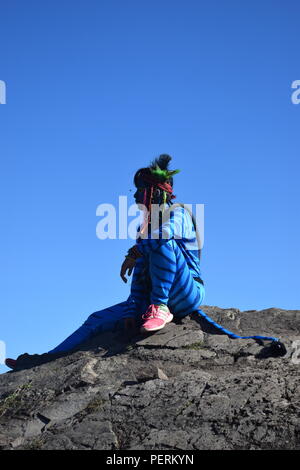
[152,312]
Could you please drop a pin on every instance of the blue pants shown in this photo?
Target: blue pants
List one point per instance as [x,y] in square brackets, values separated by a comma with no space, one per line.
[171,283]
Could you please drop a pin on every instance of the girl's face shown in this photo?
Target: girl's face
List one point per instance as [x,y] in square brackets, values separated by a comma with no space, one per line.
[139,195]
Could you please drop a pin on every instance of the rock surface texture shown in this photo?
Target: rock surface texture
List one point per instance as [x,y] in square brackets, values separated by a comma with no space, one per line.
[186,387]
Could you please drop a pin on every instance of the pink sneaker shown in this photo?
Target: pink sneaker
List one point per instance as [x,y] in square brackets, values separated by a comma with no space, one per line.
[156,316]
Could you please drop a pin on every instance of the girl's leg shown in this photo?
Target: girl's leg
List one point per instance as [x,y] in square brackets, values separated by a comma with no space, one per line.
[172,284]
[112,318]
[172,281]
[108,319]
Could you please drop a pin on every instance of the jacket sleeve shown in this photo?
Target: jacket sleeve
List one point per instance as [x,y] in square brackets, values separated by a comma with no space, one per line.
[173,227]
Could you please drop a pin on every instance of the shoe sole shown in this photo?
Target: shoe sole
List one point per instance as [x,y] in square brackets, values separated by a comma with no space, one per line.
[145,330]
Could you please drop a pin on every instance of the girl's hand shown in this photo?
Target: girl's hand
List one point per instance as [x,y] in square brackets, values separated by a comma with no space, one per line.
[128,264]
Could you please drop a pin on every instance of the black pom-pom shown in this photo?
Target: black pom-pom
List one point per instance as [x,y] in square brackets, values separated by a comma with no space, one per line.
[162,161]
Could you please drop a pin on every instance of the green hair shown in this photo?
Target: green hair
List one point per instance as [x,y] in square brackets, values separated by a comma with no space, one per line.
[163,175]
[160,168]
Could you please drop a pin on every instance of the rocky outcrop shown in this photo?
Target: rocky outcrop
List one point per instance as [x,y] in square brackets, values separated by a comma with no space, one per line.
[186,387]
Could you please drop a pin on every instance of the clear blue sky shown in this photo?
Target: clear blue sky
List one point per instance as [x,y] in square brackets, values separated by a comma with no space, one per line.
[97,89]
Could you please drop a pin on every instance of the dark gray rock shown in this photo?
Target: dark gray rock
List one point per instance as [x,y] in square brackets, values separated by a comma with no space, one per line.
[186,387]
